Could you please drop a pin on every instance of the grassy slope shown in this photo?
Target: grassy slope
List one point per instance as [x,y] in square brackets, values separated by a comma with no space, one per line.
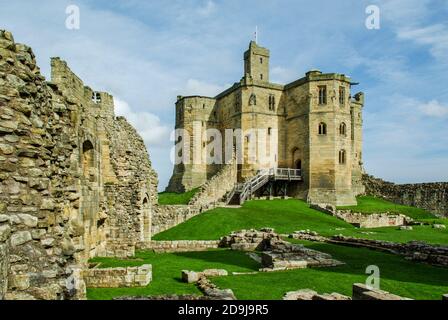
[170,198]
[283,215]
[399,276]
[374,205]
[167,271]
[287,216]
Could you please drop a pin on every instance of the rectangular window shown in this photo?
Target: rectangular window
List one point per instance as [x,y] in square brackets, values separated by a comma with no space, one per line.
[322,95]
[341,95]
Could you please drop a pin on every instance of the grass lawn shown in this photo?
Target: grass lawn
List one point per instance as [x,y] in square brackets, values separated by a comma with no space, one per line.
[171,198]
[167,269]
[287,216]
[399,276]
[370,205]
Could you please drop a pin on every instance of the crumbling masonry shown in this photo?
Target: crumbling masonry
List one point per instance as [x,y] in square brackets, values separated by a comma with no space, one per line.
[75,181]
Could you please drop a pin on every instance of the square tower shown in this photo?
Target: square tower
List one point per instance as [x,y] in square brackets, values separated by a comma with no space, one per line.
[256,63]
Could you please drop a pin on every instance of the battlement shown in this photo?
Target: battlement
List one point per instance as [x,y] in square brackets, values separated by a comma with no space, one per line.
[73,88]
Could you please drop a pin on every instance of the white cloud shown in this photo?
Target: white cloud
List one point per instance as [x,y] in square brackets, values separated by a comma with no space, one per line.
[200,88]
[208,8]
[434,109]
[435,36]
[152,130]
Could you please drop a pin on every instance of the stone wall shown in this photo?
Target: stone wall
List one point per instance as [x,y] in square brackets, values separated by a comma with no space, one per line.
[374,220]
[362,220]
[417,251]
[73,178]
[429,196]
[178,246]
[119,277]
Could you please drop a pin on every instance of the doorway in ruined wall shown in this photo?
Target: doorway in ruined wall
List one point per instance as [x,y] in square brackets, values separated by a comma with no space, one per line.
[88,159]
[94,228]
[145,232]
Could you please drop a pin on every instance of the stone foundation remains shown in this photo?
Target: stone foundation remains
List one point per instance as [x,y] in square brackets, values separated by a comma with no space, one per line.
[193,277]
[362,220]
[362,292]
[277,254]
[307,294]
[178,246]
[118,277]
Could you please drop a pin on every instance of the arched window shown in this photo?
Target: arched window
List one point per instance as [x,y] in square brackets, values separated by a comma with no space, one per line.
[322,128]
[253,100]
[343,129]
[342,157]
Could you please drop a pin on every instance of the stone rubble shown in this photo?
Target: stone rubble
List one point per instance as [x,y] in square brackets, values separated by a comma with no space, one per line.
[193,277]
[277,254]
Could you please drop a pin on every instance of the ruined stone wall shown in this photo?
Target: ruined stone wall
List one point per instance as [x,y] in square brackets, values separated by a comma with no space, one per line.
[131,198]
[429,196]
[61,153]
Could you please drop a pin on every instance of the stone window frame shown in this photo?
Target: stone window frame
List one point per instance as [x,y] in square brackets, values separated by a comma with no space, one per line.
[342,156]
[322,129]
[322,95]
[343,129]
[253,99]
[96,97]
[341,96]
[272,102]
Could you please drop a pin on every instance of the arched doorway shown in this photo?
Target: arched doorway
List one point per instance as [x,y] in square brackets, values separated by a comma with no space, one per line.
[88,159]
[298,164]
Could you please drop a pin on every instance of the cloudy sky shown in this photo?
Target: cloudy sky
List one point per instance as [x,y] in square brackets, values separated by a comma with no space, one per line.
[147,52]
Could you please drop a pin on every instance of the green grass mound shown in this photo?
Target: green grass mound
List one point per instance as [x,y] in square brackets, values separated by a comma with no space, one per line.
[171,198]
[287,216]
[369,205]
[399,276]
[167,269]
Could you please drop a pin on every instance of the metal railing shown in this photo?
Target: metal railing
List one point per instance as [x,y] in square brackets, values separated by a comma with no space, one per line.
[247,189]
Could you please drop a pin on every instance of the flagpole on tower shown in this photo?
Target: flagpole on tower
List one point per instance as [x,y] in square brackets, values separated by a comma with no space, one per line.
[256,34]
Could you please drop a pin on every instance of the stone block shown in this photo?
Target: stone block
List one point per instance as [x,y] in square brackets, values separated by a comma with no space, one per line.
[20,238]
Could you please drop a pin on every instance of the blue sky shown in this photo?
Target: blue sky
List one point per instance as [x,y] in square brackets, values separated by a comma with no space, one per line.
[147,52]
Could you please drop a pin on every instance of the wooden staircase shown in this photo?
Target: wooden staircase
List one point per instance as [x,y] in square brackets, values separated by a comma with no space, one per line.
[245,191]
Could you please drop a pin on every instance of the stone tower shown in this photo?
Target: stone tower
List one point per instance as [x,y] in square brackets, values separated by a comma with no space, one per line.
[256,63]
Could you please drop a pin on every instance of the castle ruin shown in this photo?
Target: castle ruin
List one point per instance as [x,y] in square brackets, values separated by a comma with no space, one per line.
[75,181]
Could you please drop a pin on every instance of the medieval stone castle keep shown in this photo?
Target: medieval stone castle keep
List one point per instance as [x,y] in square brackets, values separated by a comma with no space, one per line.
[317,121]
